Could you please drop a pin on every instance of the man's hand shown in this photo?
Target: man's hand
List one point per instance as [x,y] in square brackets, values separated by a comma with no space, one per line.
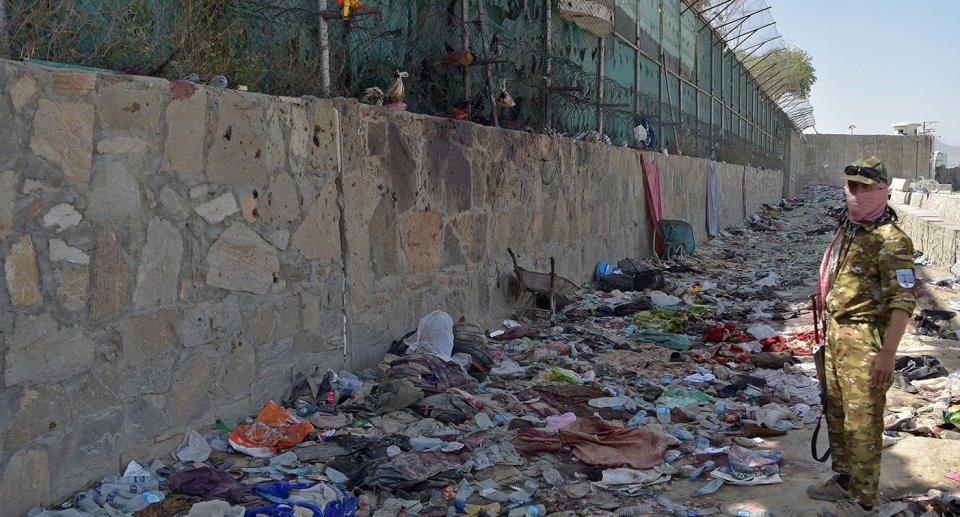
[881,369]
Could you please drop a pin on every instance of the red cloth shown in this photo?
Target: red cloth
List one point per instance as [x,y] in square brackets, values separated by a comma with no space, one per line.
[596,441]
[799,344]
[726,332]
[651,185]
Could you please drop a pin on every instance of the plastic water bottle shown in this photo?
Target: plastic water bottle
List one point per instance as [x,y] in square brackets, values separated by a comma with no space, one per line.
[553,477]
[634,511]
[671,455]
[663,415]
[637,419]
[682,434]
[426,444]
[85,502]
[703,468]
[537,510]
[463,493]
[719,407]
[709,488]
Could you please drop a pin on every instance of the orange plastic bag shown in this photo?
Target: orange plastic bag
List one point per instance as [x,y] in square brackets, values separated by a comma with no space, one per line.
[273,429]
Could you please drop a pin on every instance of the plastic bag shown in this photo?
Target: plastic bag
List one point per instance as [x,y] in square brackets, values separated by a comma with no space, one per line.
[434,335]
[273,429]
[193,448]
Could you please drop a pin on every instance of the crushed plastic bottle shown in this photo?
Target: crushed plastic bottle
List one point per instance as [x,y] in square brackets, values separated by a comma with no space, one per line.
[537,510]
[709,488]
[671,455]
[703,468]
[620,402]
[553,477]
[525,492]
[663,415]
[634,511]
[637,419]
[432,444]
[285,460]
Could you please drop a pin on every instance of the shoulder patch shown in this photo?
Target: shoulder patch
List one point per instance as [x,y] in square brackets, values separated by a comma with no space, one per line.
[905,278]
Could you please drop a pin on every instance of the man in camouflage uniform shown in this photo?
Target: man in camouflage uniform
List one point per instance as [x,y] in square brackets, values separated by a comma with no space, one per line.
[871,297]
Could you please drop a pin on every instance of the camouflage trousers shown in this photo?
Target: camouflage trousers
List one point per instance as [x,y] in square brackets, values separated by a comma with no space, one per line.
[854,409]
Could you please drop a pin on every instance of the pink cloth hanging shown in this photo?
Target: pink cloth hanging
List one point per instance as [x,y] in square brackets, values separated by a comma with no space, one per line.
[651,186]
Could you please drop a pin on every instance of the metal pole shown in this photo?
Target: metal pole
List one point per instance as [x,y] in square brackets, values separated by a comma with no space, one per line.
[323,36]
[548,59]
[600,86]
[662,73]
[4,42]
[756,48]
[494,112]
[465,41]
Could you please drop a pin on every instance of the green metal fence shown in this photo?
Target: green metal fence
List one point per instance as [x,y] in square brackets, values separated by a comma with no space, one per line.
[662,62]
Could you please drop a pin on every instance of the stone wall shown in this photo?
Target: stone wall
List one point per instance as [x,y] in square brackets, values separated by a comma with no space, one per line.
[175,254]
[823,157]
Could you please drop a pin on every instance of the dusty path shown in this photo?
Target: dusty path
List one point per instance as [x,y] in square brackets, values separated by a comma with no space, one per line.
[911,466]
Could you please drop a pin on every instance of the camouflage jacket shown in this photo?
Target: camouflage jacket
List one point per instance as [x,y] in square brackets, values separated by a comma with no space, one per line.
[873,273]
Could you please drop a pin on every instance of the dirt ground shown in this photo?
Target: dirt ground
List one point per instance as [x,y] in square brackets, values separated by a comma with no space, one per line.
[911,466]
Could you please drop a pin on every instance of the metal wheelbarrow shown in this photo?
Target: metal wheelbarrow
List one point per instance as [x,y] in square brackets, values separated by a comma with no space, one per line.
[533,283]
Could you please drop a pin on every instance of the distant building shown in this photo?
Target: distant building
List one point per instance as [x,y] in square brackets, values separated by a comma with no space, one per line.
[906,128]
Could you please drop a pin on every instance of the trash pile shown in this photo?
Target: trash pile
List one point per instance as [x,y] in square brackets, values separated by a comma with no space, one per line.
[667,374]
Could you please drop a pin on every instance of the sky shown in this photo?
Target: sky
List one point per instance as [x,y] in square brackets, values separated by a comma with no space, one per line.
[879,62]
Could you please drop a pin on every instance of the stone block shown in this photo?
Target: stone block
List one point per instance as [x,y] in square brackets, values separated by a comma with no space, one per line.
[110,275]
[421,238]
[324,139]
[318,236]
[248,207]
[310,303]
[59,250]
[279,205]
[188,396]
[98,442]
[99,391]
[262,325]
[279,238]
[159,273]
[289,317]
[218,208]
[173,203]
[122,145]
[72,285]
[383,237]
[73,83]
[26,481]
[186,131]
[152,377]
[300,131]
[63,133]
[402,167]
[241,261]
[238,368]
[210,321]
[114,196]
[144,417]
[237,150]
[38,348]
[452,255]
[129,106]
[22,91]
[275,148]
[147,337]
[21,272]
[62,216]
[274,358]
[42,408]
[8,199]
[472,230]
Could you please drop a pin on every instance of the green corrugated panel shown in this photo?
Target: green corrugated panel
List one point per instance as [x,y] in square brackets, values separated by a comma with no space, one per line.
[688,40]
[629,7]
[703,60]
[689,99]
[671,25]
[649,37]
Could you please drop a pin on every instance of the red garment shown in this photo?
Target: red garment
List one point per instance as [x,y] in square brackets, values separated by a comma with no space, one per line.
[651,185]
[726,332]
[799,344]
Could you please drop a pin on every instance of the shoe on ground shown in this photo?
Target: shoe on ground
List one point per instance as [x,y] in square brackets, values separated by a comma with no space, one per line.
[847,509]
[829,490]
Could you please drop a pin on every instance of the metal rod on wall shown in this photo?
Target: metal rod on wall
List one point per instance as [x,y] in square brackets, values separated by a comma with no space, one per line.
[548,60]
[494,112]
[465,39]
[323,37]
[4,41]
[729,4]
